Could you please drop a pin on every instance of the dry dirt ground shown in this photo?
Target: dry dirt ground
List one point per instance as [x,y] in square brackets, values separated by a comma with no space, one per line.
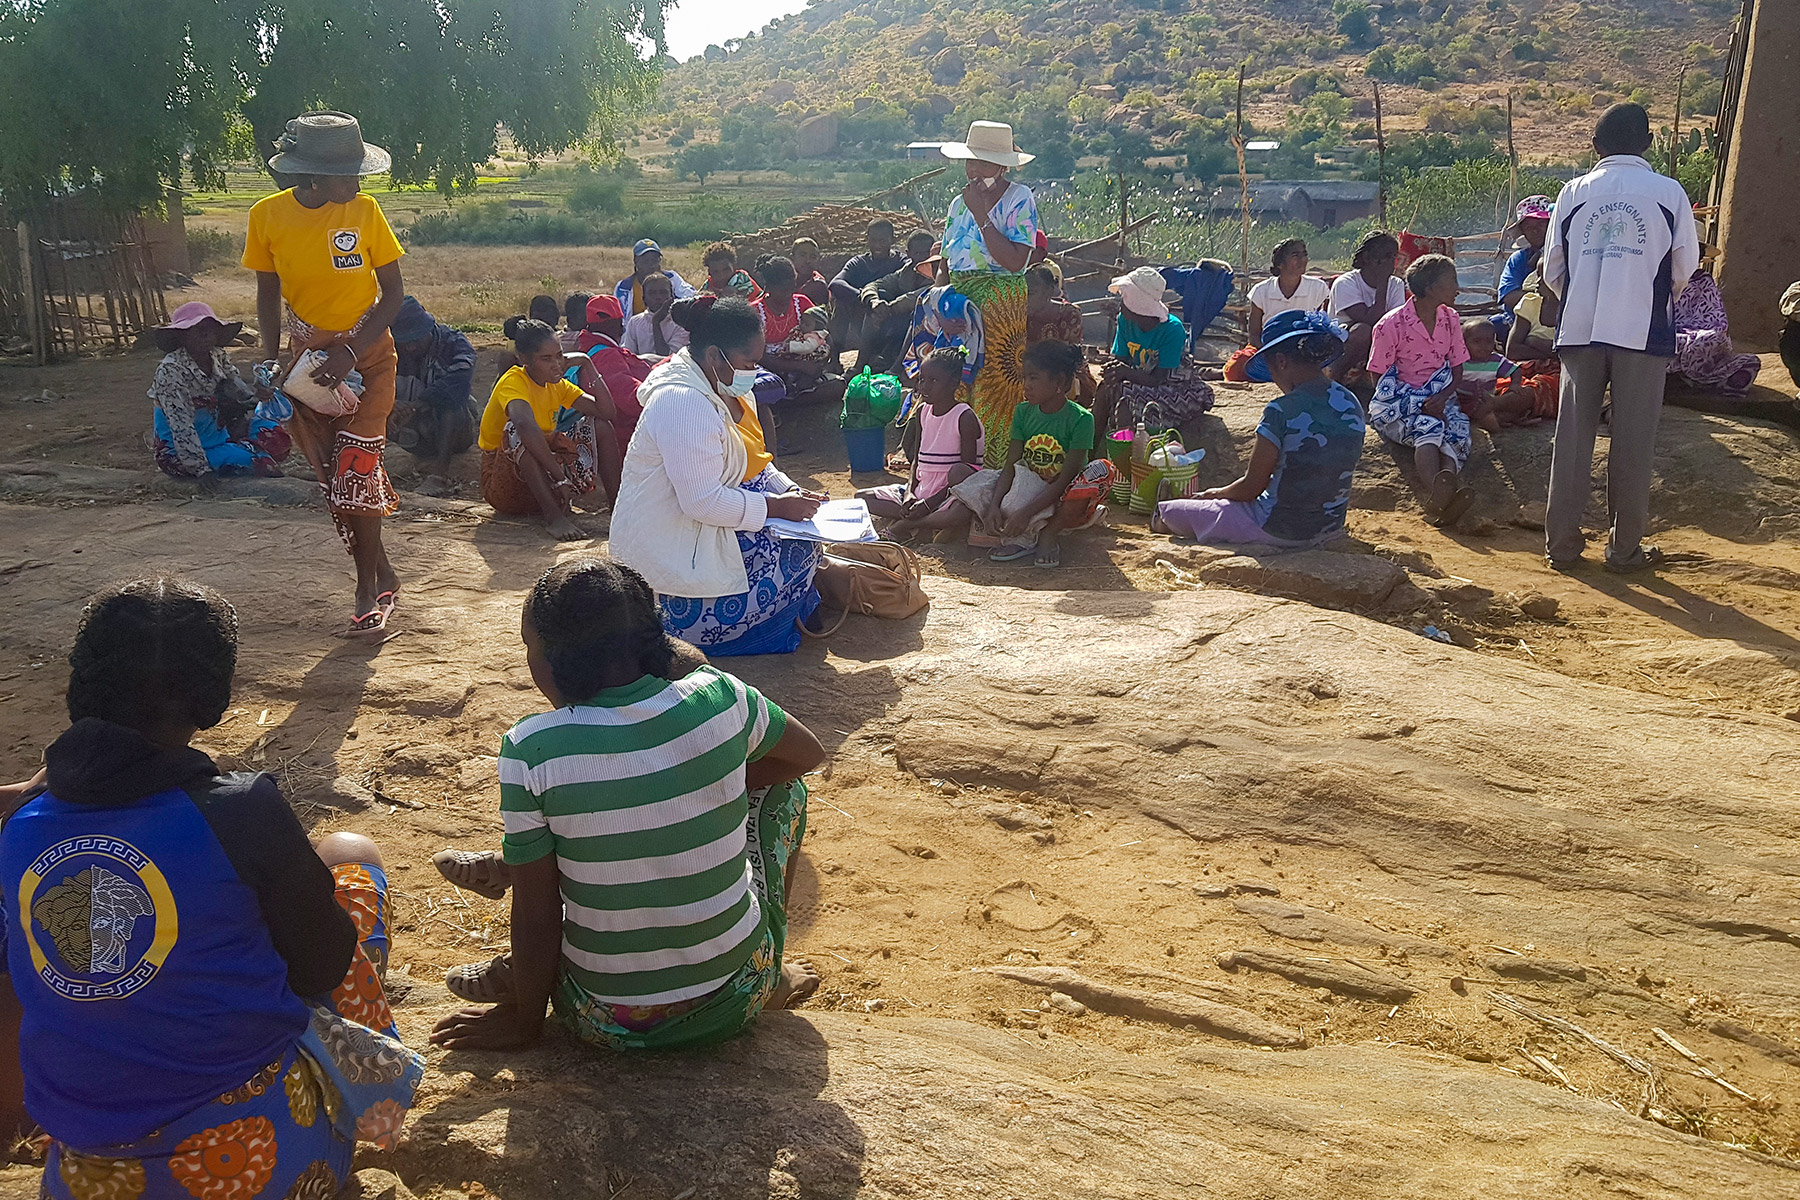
[1459,887]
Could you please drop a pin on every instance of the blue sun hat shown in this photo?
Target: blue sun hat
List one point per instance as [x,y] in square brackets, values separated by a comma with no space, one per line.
[1287,327]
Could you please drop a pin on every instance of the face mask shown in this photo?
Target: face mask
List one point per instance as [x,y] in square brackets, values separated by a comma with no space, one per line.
[742,382]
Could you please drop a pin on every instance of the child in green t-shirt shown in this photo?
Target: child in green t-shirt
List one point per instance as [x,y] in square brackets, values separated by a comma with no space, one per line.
[1023,512]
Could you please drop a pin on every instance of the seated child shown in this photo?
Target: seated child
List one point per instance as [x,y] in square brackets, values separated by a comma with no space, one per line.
[533,458]
[947,446]
[204,419]
[622,370]
[574,320]
[1480,393]
[1296,489]
[664,810]
[1418,369]
[1026,511]
[812,337]
[200,989]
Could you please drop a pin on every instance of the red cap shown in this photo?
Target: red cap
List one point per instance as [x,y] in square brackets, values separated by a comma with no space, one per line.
[604,306]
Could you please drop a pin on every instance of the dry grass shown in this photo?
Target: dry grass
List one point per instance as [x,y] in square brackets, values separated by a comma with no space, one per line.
[471,285]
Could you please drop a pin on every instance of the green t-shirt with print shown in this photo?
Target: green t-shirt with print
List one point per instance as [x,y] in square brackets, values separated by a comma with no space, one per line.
[1050,438]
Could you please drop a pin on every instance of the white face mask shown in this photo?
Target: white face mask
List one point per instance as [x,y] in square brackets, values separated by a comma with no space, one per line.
[742,382]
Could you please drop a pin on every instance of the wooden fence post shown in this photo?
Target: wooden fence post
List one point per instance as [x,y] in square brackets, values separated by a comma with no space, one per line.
[28,289]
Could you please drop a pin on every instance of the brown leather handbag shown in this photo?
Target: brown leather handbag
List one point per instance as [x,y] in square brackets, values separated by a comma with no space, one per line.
[876,579]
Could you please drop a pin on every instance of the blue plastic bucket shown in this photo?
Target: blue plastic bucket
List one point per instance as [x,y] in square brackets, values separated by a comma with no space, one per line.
[867,448]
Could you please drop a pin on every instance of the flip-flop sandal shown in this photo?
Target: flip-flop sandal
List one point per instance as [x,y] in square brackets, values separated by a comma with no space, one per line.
[1456,506]
[1052,559]
[481,983]
[1006,554]
[371,624]
[472,871]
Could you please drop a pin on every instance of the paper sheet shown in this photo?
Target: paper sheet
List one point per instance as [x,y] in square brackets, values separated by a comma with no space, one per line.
[836,521]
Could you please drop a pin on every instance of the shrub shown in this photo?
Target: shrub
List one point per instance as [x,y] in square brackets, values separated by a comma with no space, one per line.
[209,248]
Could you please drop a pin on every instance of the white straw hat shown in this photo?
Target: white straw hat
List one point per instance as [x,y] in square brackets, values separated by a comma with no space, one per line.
[991,142]
[1142,292]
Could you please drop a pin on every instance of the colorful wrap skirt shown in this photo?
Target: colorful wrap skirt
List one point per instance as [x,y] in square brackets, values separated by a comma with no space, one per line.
[347,452]
[776,826]
[999,386]
[1178,401]
[287,1132]
[576,452]
[761,620]
[1398,414]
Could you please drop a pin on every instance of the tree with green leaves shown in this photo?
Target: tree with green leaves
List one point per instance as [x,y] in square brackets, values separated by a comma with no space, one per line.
[700,159]
[120,97]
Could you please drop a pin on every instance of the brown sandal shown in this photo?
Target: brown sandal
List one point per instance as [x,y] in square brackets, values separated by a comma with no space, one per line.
[482,983]
[480,871]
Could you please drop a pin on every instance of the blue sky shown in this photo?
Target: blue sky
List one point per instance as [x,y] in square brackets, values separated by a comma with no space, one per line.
[692,25]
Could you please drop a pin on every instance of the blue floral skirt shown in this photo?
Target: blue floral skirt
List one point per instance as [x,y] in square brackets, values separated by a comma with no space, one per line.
[1398,414]
[761,620]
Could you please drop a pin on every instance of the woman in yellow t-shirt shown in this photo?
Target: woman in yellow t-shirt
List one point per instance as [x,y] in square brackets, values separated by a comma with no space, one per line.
[326,248]
[538,440]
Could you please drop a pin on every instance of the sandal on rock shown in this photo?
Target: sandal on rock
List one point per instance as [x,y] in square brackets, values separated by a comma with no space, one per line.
[482,983]
[480,871]
[371,624]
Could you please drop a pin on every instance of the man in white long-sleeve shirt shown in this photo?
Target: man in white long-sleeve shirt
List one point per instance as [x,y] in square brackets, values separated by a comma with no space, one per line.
[1622,244]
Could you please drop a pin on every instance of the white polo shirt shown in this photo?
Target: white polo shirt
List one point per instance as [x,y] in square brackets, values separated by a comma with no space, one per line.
[1622,244]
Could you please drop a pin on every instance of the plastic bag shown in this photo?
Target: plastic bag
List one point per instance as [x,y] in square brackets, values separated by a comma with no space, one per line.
[870,400]
[339,401]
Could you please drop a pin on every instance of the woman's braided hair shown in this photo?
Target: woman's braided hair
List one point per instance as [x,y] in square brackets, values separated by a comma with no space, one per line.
[152,647]
[592,614]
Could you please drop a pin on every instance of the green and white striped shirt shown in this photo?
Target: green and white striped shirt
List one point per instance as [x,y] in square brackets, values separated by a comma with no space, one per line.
[640,793]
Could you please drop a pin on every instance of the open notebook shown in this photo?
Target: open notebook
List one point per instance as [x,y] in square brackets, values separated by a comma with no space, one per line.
[836,521]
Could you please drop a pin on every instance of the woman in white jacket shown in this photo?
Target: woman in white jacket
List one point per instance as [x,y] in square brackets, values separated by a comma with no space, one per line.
[699,484]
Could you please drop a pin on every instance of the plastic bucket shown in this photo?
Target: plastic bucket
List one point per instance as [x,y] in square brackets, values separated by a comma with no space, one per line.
[867,448]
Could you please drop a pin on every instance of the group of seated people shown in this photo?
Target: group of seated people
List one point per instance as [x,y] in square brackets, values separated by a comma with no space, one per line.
[194,992]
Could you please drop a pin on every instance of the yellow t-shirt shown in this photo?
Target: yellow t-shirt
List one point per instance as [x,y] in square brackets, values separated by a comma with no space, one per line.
[750,430]
[517,385]
[326,256]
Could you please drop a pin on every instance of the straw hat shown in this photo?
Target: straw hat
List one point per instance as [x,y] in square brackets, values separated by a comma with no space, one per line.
[194,312]
[1142,291]
[327,143]
[989,142]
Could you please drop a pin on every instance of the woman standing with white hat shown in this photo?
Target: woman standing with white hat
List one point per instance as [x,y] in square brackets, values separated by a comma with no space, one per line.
[989,236]
[326,248]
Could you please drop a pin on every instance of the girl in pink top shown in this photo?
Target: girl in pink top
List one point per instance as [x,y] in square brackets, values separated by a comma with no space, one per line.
[1418,367]
[949,450]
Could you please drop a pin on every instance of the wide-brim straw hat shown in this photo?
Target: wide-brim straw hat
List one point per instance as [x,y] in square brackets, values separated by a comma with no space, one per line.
[990,142]
[194,312]
[327,143]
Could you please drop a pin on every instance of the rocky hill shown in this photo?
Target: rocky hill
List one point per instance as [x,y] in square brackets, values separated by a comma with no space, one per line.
[1158,77]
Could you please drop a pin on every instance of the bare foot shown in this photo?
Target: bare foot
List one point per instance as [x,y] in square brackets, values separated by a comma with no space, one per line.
[564,530]
[799,980]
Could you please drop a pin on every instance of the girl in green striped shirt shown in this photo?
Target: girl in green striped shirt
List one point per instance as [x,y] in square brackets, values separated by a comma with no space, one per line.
[651,826]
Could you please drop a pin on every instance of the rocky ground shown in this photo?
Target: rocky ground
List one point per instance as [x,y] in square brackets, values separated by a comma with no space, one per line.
[1170,873]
